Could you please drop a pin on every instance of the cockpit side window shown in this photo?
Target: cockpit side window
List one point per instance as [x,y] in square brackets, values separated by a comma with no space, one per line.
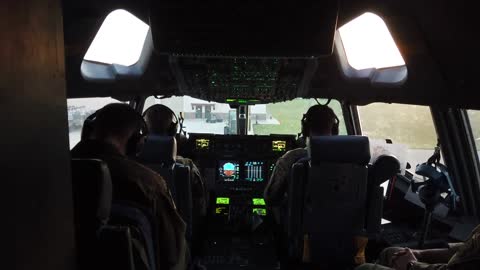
[78,110]
[409,127]
[474,116]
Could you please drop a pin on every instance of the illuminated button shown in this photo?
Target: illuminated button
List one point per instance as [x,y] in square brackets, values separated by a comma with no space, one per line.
[223,200]
[258,201]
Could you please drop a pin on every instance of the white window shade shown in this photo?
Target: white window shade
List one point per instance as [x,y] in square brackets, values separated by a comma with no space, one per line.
[368,43]
[119,40]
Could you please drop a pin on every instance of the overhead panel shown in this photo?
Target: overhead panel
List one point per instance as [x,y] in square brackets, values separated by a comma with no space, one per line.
[244,28]
[239,80]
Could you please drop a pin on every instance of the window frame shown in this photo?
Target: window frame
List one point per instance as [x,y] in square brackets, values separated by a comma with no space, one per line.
[389,76]
[448,130]
[472,151]
[103,72]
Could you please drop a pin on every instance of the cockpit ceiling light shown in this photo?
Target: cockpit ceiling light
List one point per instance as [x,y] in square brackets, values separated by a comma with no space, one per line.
[369,44]
[119,40]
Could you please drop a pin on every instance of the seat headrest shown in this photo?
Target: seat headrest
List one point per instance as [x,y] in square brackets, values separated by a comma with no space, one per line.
[339,149]
[159,149]
[384,168]
[92,189]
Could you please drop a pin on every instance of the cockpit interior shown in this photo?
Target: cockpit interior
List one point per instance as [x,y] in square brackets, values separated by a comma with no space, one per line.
[239,77]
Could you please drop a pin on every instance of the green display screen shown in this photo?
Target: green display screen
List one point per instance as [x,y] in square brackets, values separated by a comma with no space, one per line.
[258,201]
[259,211]
[223,200]
[279,146]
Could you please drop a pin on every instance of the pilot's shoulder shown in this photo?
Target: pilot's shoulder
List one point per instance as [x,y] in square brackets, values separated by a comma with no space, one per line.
[295,154]
[185,161]
[292,156]
[144,173]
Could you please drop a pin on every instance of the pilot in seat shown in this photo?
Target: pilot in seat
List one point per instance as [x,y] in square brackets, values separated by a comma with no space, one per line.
[115,134]
[320,120]
[162,121]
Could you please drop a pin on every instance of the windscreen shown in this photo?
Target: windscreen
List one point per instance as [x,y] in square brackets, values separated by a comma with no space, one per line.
[264,119]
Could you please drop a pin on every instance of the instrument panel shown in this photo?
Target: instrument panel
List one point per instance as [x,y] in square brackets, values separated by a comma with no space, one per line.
[239,145]
[236,169]
[238,159]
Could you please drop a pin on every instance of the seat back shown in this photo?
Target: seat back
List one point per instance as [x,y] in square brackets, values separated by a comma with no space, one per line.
[113,250]
[92,190]
[92,194]
[99,245]
[143,231]
[159,154]
[105,239]
[327,198]
[184,195]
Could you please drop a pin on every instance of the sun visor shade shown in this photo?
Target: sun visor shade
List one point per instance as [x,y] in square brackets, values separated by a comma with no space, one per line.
[366,50]
[121,48]
[369,44]
[244,28]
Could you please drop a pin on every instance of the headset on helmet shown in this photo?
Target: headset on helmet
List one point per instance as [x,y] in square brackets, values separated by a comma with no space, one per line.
[134,142]
[173,127]
[306,121]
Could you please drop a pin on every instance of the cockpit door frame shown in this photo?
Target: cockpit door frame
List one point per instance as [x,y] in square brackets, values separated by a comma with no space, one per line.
[458,146]
[352,121]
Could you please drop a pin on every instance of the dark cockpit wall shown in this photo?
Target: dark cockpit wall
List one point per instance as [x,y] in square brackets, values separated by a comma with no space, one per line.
[37,192]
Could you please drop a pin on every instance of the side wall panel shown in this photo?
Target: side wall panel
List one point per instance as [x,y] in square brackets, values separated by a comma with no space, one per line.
[35,192]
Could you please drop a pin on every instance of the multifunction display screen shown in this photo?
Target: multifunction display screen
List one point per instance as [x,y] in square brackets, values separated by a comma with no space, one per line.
[279,146]
[229,171]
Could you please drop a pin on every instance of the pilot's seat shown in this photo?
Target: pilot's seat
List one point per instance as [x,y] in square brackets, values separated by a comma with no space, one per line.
[159,154]
[92,191]
[103,243]
[327,201]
